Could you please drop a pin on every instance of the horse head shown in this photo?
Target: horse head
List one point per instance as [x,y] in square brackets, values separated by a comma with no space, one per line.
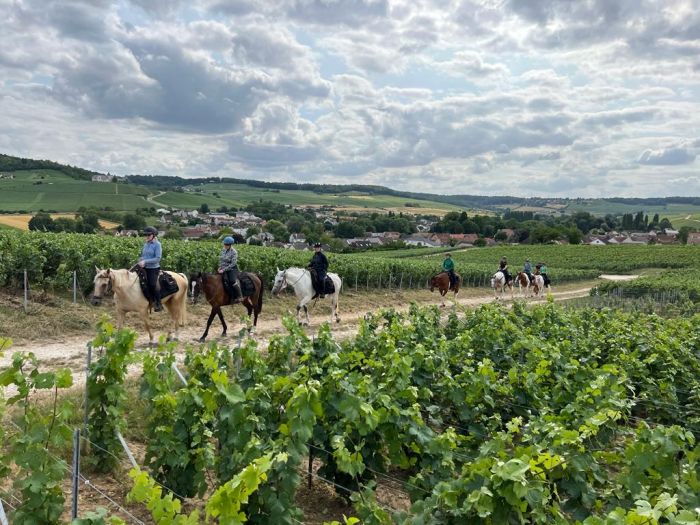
[102,284]
[195,288]
[280,281]
[433,283]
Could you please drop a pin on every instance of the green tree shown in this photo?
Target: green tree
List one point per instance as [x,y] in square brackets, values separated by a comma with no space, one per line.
[277,229]
[42,222]
[173,232]
[204,208]
[133,221]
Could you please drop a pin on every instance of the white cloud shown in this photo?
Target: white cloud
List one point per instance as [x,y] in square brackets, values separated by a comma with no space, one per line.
[582,98]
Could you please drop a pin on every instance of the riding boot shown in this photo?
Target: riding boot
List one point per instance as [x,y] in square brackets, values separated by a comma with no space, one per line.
[158,306]
[237,296]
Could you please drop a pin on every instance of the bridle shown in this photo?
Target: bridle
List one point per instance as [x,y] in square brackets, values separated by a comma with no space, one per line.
[107,289]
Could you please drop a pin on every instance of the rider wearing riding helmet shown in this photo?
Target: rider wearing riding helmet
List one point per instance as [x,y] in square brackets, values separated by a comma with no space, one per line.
[228,267]
[150,262]
[503,267]
[319,262]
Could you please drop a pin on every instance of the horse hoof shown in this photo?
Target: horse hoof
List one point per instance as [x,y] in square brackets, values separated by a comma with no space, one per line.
[201,339]
[337,319]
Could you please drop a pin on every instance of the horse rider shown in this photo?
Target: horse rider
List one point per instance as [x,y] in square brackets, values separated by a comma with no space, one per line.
[228,267]
[503,267]
[448,265]
[542,269]
[527,269]
[150,262]
[319,263]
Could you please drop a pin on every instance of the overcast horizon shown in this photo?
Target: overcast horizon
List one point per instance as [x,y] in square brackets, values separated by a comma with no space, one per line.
[495,97]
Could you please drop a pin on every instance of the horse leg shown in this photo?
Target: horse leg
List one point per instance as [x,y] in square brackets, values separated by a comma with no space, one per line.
[442,298]
[306,311]
[223,323]
[249,307]
[334,302]
[211,318]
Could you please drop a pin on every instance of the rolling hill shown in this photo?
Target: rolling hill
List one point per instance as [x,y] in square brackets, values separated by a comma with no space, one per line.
[28,185]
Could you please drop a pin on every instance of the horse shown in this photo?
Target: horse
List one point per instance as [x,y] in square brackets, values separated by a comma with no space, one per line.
[441,281]
[300,280]
[537,284]
[128,297]
[212,284]
[498,283]
[523,282]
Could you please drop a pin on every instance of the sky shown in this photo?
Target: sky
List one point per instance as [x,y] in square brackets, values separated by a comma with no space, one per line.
[567,98]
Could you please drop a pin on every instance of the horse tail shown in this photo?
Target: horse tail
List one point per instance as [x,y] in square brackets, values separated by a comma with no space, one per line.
[259,305]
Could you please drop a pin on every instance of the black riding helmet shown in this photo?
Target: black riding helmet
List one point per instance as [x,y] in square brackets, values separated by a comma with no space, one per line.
[150,230]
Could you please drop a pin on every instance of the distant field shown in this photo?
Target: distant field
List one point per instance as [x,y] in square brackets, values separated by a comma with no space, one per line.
[240,195]
[36,190]
[21,222]
[602,207]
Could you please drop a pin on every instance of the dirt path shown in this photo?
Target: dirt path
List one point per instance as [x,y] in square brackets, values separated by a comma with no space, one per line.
[71,351]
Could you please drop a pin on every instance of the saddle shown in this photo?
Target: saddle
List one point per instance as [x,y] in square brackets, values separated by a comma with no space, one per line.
[246,283]
[166,283]
[328,288]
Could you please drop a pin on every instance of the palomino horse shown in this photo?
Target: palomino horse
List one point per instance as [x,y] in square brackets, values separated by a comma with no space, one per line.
[128,297]
[212,284]
[300,280]
[499,285]
[441,281]
[524,285]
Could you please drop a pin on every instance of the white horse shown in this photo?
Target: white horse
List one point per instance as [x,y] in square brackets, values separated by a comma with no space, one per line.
[300,280]
[499,285]
[537,285]
[128,297]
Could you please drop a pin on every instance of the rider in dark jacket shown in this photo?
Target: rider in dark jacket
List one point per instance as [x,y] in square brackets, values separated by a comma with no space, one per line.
[503,267]
[319,262]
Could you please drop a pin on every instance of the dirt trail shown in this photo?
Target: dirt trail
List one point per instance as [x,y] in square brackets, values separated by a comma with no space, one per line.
[71,351]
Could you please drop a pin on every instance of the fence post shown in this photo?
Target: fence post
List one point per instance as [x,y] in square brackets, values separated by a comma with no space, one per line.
[75,287]
[311,464]
[3,518]
[126,449]
[356,275]
[87,381]
[76,472]
[179,374]
[410,280]
[401,282]
[26,285]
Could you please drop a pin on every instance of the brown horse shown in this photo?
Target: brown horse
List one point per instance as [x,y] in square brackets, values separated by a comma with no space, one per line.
[212,284]
[441,281]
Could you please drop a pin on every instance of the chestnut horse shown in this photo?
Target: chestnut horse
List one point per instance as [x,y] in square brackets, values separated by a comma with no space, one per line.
[441,281]
[128,297]
[212,284]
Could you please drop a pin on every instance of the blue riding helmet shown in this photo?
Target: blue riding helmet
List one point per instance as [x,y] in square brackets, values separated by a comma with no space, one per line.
[228,240]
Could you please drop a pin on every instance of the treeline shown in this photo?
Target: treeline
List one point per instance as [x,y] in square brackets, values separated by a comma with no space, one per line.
[86,222]
[529,227]
[9,163]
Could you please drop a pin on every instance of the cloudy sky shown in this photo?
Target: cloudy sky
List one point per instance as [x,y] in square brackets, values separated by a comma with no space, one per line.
[518,97]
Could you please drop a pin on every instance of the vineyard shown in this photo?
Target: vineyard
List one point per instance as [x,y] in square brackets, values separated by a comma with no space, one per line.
[540,415]
[51,258]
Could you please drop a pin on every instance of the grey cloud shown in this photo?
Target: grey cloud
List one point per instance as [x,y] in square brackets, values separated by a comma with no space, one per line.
[667,157]
[618,117]
[352,13]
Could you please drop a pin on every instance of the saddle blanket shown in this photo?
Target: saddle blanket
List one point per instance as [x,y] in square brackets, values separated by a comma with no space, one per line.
[247,285]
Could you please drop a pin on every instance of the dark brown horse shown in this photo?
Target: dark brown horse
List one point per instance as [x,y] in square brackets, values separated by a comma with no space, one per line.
[442,282]
[212,285]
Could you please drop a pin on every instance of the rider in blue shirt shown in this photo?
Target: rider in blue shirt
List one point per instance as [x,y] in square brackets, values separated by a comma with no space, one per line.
[150,261]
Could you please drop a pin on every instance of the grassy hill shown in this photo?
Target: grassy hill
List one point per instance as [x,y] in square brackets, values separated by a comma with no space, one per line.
[50,186]
[44,189]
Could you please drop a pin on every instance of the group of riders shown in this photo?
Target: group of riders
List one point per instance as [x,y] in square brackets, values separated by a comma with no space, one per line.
[448,266]
[228,268]
[152,253]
